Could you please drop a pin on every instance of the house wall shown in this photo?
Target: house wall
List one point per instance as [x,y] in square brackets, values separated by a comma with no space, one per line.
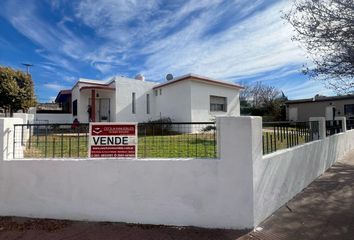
[124,89]
[200,101]
[174,102]
[317,109]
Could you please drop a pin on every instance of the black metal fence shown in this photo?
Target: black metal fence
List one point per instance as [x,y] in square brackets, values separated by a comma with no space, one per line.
[50,140]
[155,140]
[281,135]
[350,124]
[333,127]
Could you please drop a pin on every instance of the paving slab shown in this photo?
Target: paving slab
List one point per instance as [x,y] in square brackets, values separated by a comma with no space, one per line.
[322,211]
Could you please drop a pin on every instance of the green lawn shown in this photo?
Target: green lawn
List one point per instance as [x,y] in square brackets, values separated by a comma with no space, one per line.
[201,145]
[273,142]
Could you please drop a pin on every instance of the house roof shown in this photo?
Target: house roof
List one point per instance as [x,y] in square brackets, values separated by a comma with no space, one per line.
[94,82]
[63,95]
[319,98]
[198,78]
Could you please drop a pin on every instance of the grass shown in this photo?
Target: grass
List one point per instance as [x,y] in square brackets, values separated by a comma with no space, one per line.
[171,146]
[273,142]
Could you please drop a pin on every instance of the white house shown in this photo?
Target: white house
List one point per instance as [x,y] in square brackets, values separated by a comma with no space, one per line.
[189,98]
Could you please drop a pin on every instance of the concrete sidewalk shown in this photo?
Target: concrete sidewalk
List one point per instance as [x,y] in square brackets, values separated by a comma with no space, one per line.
[324,210]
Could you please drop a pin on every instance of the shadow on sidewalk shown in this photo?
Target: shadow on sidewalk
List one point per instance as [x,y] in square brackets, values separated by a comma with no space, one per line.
[323,210]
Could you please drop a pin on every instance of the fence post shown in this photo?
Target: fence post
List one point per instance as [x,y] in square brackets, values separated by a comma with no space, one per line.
[321,126]
[7,139]
[344,122]
[239,148]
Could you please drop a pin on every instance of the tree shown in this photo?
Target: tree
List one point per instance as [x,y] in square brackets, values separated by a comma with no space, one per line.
[16,90]
[325,28]
[263,100]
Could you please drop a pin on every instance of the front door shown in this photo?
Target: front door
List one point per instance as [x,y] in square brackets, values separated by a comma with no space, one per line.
[102,113]
[104,110]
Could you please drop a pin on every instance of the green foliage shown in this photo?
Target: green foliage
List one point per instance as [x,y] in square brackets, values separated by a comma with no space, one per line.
[16,90]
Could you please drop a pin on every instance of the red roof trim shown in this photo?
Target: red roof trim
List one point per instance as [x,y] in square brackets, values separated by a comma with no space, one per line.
[200,79]
[97,87]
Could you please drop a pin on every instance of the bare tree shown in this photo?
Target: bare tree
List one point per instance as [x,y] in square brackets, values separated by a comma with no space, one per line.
[325,28]
[263,95]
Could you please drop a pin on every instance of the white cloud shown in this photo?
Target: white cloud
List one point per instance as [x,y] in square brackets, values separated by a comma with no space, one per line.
[54,86]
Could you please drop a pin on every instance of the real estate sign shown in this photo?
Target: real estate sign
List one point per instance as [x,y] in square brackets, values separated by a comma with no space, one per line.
[113,140]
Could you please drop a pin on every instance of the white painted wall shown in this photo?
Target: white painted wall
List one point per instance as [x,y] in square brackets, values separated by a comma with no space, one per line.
[279,176]
[200,101]
[239,190]
[53,117]
[124,89]
[199,192]
[174,102]
[6,137]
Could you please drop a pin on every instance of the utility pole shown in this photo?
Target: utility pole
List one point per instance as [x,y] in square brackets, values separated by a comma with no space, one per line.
[27,65]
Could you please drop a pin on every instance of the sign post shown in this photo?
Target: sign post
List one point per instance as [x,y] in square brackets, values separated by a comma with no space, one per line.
[113,140]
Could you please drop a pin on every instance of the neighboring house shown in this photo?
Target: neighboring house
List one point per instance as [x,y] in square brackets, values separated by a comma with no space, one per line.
[64,100]
[320,106]
[188,98]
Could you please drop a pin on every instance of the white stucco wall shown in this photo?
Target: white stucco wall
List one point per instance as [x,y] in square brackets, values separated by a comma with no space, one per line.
[200,101]
[124,89]
[6,137]
[174,102]
[199,192]
[279,176]
[238,190]
[53,117]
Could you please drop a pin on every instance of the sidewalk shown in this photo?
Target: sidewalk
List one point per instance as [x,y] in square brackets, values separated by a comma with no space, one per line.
[324,210]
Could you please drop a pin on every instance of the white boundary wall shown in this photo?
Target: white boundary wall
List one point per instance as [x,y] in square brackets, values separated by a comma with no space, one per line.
[197,192]
[54,117]
[279,176]
[239,190]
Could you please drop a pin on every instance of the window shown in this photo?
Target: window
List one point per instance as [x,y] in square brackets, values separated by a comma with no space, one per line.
[349,109]
[156,92]
[218,104]
[160,91]
[147,103]
[133,102]
[75,108]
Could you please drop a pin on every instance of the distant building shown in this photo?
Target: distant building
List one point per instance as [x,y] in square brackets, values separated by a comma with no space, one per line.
[185,99]
[48,108]
[320,106]
[64,100]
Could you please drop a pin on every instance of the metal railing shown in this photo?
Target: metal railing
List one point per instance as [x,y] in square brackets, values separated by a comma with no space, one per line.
[333,127]
[50,140]
[155,140]
[350,124]
[281,135]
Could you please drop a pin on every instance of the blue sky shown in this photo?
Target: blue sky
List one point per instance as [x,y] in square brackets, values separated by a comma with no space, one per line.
[239,41]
